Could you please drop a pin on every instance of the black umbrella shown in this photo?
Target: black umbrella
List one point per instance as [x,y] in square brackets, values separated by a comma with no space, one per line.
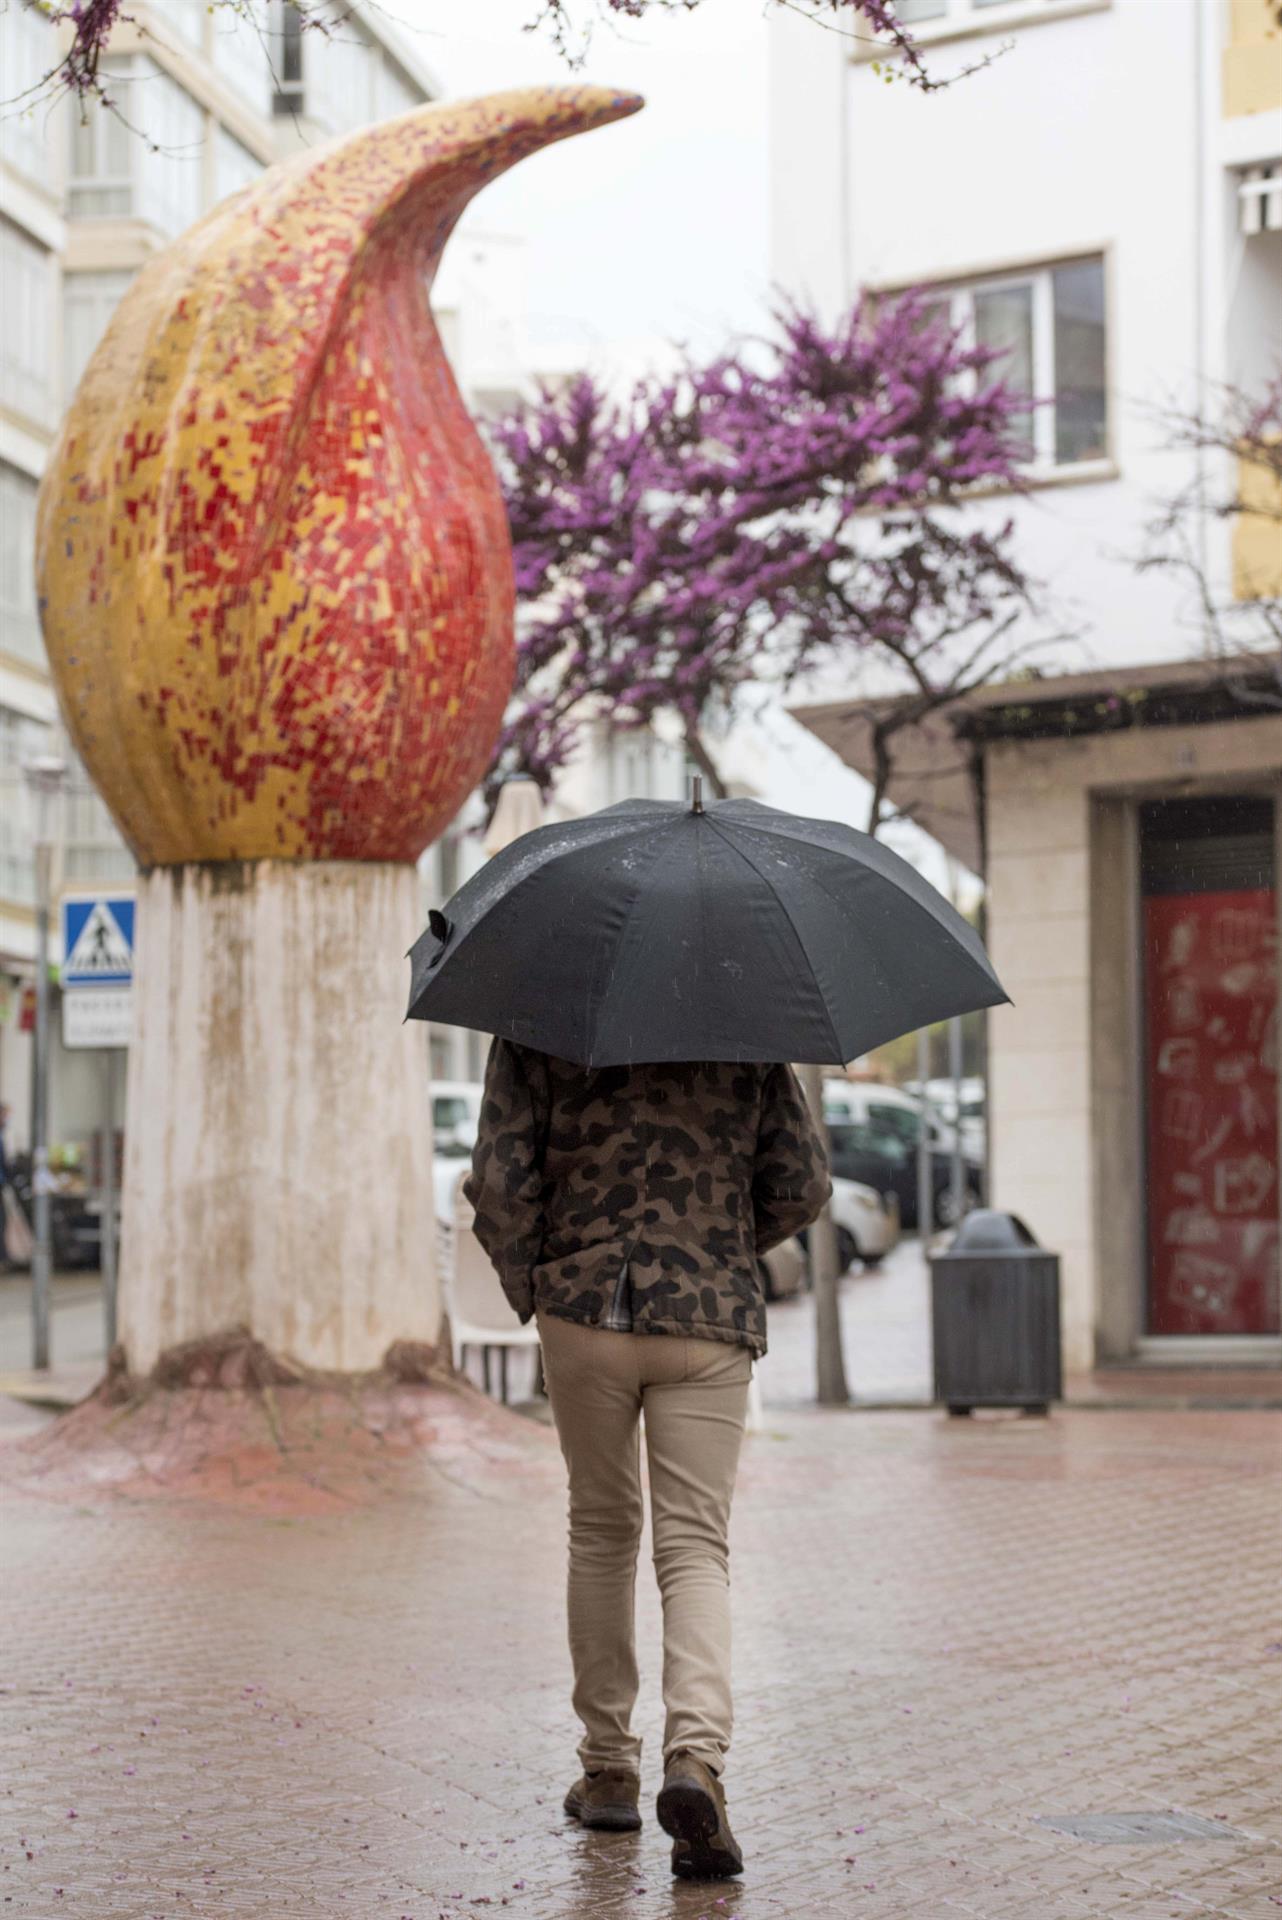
[660,931]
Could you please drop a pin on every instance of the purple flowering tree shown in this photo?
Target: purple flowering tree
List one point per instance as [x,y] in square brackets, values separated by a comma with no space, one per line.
[813,500]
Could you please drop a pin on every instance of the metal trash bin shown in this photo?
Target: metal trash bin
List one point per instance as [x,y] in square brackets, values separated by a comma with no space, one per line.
[995,1317]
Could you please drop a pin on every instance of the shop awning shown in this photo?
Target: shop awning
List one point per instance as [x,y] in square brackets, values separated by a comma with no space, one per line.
[935,780]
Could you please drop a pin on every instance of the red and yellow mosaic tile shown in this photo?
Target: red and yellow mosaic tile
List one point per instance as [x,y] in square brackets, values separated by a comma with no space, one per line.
[272,556]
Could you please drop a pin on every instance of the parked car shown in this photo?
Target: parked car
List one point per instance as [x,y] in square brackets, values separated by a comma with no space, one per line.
[969,1116]
[75,1217]
[784,1270]
[456,1115]
[873,1133]
[867,1222]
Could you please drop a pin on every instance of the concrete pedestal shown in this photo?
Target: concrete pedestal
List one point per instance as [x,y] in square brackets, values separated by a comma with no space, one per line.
[278,1165]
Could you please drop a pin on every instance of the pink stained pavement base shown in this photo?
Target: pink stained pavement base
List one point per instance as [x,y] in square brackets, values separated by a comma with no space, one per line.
[222,1422]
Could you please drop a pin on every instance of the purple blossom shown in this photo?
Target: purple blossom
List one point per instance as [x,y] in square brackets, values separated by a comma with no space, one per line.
[785,503]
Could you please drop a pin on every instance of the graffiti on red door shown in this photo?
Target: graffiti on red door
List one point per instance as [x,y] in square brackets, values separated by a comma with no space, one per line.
[1212,1016]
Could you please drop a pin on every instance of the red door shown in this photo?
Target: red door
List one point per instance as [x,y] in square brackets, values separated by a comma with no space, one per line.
[1212,1105]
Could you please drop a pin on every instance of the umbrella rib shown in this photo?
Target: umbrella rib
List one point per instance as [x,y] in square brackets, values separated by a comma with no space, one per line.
[609,988]
[923,906]
[765,878]
[799,839]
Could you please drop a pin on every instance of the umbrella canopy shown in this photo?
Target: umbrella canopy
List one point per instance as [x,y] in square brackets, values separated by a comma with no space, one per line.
[659,931]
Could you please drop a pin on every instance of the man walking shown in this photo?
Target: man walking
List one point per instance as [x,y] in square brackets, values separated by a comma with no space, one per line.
[628,1207]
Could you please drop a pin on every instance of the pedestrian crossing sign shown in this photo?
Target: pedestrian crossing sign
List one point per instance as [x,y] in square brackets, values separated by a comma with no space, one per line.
[98,940]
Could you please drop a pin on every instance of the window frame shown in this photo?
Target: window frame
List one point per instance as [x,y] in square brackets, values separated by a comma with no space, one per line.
[284,40]
[223,140]
[28,141]
[29,375]
[95,129]
[155,206]
[959,290]
[22,736]
[966,21]
[96,293]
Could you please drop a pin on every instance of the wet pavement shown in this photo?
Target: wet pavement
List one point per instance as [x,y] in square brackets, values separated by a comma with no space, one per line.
[267,1657]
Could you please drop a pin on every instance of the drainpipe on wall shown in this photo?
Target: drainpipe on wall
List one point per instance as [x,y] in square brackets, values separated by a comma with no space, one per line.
[1199,276]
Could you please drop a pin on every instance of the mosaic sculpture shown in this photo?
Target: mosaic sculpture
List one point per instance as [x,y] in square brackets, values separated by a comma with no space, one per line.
[272,556]
[276,587]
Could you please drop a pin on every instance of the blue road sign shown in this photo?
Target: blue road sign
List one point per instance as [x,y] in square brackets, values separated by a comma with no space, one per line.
[98,940]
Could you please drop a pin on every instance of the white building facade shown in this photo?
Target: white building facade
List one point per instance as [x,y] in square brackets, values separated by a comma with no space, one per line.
[1101,200]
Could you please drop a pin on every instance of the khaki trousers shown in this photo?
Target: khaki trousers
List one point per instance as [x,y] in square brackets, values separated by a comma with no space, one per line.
[694,1395]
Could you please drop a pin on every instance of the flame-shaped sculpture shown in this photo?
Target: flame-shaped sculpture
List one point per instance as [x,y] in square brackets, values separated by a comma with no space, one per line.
[272,555]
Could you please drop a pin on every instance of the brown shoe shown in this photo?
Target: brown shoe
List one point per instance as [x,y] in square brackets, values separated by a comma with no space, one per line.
[606,1799]
[692,1808]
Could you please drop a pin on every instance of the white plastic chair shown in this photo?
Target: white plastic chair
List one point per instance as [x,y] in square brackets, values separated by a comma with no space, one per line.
[477,1305]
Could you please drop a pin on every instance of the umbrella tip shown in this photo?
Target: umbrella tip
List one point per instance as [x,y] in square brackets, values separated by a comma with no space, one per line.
[696,797]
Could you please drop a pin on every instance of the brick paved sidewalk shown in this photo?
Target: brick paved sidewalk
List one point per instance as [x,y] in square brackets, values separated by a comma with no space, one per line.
[333,1683]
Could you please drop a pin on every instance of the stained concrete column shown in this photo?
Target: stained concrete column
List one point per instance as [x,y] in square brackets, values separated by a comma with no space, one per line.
[1039,1047]
[279,1153]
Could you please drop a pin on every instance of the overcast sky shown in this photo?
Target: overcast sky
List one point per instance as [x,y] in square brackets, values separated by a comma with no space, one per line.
[652,228]
[655,229]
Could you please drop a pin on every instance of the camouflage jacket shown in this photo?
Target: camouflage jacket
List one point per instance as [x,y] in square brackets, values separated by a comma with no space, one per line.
[642,1196]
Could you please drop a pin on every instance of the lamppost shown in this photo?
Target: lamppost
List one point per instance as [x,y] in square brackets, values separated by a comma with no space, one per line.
[44,776]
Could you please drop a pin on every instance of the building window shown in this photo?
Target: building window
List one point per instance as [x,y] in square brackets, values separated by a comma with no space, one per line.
[393,93]
[286,52]
[244,55]
[19,622]
[28,52]
[26,357]
[958,12]
[1047,325]
[340,78]
[1078,374]
[326,67]
[93,853]
[144,159]
[102,156]
[88,302]
[21,739]
[234,165]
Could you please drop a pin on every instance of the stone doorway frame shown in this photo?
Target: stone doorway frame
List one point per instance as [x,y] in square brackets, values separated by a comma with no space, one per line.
[1117,1076]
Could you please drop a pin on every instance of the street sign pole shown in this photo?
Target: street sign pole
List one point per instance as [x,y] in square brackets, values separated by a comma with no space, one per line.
[107,1241]
[958,1165]
[830,1366]
[44,778]
[925,1180]
[41,1253]
[97,1013]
